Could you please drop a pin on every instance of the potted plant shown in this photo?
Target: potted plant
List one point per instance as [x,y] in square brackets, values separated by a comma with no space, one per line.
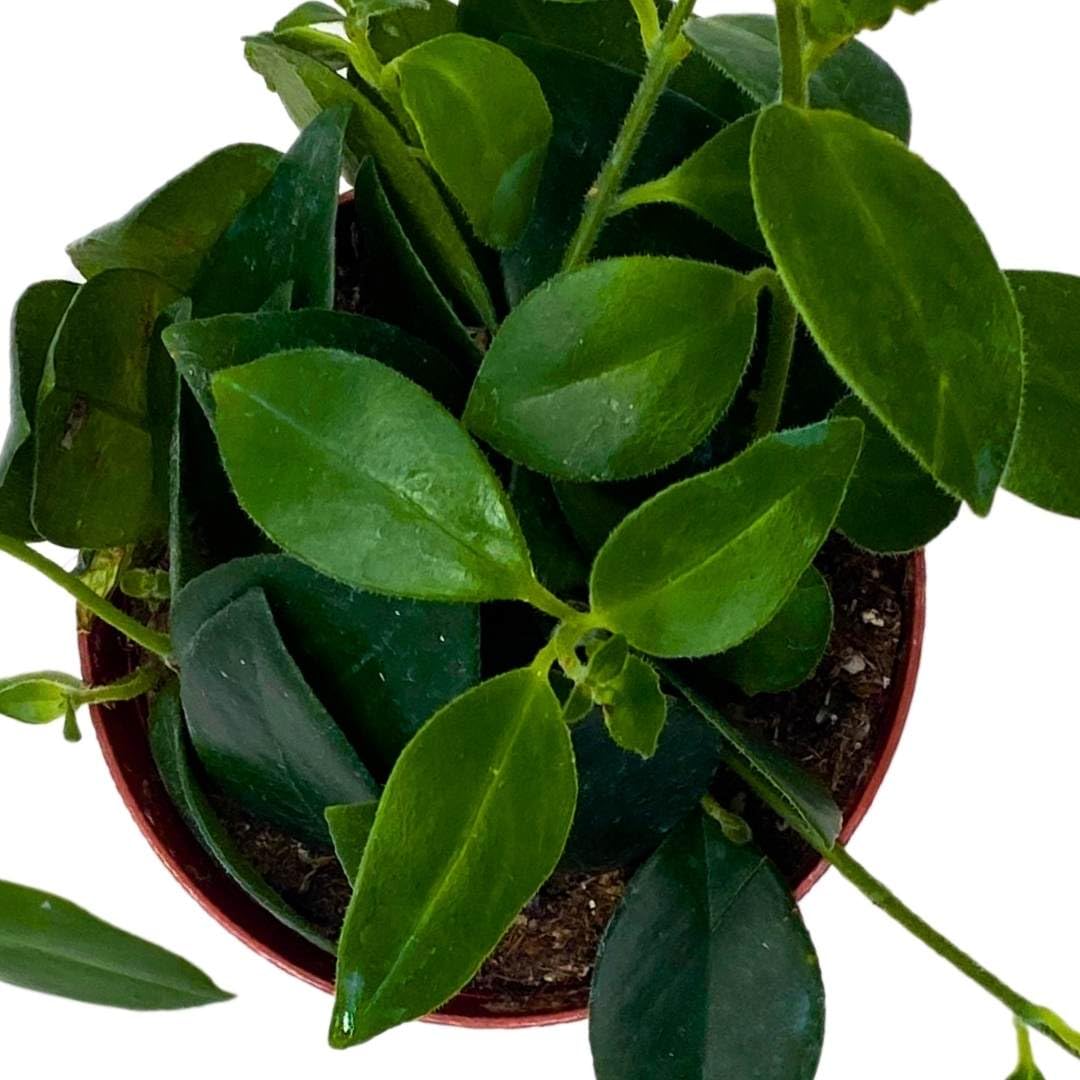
[473,541]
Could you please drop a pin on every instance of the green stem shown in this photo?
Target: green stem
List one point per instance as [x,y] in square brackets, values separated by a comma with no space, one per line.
[546,601]
[649,20]
[669,50]
[131,687]
[783,325]
[150,640]
[793,83]
[733,826]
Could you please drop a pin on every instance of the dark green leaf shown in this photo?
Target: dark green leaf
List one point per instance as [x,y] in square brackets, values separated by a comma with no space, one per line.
[38,314]
[711,561]
[264,738]
[50,945]
[171,233]
[707,970]
[398,31]
[855,80]
[893,504]
[381,666]
[561,565]
[1043,466]
[173,757]
[102,435]
[40,698]
[307,87]
[471,824]
[484,125]
[899,287]
[637,711]
[611,372]
[309,14]
[350,828]
[787,652]
[376,485]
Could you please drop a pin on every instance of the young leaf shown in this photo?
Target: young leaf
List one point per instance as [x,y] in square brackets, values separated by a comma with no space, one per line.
[286,233]
[637,712]
[610,371]
[370,9]
[832,22]
[398,31]
[376,486]
[893,504]
[608,661]
[262,735]
[350,828]
[37,699]
[380,666]
[706,970]
[102,436]
[710,561]
[899,287]
[855,80]
[1043,467]
[50,945]
[173,757]
[787,652]
[38,313]
[455,853]
[311,13]
[171,233]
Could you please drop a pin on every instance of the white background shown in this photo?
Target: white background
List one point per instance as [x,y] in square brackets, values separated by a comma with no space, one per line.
[976,826]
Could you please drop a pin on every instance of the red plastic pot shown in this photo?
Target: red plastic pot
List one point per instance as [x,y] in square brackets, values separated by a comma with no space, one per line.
[122,733]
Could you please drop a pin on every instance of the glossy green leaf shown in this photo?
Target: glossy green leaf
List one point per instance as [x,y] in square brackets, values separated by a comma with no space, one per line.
[610,371]
[636,714]
[1043,467]
[38,314]
[899,287]
[711,561]
[50,945]
[484,125]
[203,347]
[707,970]
[102,436]
[350,829]
[714,182]
[398,31]
[788,651]
[40,698]
[311,13]
[171,232]
[455,852]
[172,752]
[377,485]
[286,233]
[893,504]
[381,666]
[306,87]
[854,80]
[264,738]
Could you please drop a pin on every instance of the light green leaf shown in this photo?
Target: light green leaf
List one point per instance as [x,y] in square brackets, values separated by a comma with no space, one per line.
[893,504]
[376,485]
[312,13]
[50,945]
[1043,468]
[171,232]
[368,9]
[710,561]
[455,853]
[484,125]
[610,371]
[707,970]
[637,711]
[899,288]
[40,698]
[350,829]
[832,22]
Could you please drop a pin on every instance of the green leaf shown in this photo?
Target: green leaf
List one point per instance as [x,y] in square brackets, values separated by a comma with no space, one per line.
[893,504]
[376,486]
[610,371]
[398,31]
[381,666]
[264,738]
[710,561]
[484,125]
[1043,468]
[171,232]
[455,853]
[40,698]
[608,661]
[855,80]
[102,437]
[707,970]
[561,565]
[899,288]
[205,346]
[50,945]
[312,13]
[714,182]
[38,314]
[286,233]
[831,22]
[368,9]
[307,87]
[350,828]
[637,712]
[173,757]
[788,651]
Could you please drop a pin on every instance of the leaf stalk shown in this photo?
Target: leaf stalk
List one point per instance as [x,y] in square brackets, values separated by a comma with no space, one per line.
[793,76]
